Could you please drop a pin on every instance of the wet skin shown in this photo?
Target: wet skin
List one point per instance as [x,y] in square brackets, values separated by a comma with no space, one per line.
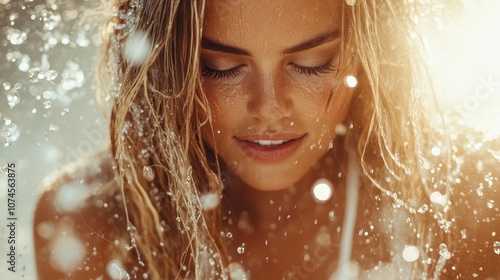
[269,69]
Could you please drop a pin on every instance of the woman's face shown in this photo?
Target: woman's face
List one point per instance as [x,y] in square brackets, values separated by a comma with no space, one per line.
[269,68]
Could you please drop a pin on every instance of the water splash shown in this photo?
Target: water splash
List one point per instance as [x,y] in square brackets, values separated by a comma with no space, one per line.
[9,132]
[444,255]
[50,19]
[16,36]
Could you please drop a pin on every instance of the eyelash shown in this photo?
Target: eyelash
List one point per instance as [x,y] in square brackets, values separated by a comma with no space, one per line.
[309,71]
[210,73]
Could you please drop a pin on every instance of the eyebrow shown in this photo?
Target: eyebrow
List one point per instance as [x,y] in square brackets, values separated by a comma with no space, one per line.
[317,40]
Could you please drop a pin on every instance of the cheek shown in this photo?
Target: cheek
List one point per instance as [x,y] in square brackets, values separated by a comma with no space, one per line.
[225,102]
[311,97]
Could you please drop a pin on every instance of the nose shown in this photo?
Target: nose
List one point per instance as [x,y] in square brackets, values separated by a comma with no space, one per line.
[269,100]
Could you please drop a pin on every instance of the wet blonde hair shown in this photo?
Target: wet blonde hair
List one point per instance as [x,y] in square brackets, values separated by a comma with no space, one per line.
[158,110]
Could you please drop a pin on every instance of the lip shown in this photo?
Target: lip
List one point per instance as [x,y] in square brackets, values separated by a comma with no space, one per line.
[272,153]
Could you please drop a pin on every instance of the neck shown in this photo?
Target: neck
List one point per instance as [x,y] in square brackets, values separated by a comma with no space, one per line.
[264,211]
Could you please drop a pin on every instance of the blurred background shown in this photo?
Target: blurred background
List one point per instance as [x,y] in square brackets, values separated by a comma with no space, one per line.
[49,116]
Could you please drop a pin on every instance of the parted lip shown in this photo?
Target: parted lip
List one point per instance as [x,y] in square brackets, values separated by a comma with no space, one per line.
[271,136]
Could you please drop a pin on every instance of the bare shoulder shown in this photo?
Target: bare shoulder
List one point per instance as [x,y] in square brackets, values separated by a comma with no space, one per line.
[475,209]
[78,221]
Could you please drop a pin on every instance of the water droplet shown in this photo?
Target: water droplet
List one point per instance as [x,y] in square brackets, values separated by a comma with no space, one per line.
[323,237]
[47,104]
[16,36]
[70,197]
[241,249]
[350,80]
[148,173]
[411,253]
[53,127]
[82,40]
[331,215]
[45,229]
[9,132]
[490,203]
[137,48]
[340,129]
[443,251]
[496,247]
[229,234]
[72,76]
[236,272]
[64,111]
[350,2]
[6,86]
[479,190]
[322,190]
[422,209]
[67,253]
[209,201]
[438,198]
[13,98]
[50,19]
[436,151]
[463,233]
[116,270]
[51,75]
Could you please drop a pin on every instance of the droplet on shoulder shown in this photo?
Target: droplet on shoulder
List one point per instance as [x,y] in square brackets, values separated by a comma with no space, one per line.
[68,253]
[237,272]
[116,271]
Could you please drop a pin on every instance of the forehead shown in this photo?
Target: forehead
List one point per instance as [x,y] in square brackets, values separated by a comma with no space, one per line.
[270,22]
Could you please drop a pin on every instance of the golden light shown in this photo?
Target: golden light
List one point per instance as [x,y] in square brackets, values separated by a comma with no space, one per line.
[464,59]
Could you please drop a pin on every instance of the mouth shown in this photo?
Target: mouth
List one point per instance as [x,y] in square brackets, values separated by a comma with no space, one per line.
[270,148]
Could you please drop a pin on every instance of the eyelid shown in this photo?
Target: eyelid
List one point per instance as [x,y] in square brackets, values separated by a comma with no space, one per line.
[210,73]
[327,67]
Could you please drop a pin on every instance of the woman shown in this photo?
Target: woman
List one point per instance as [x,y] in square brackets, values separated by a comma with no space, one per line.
[229,140]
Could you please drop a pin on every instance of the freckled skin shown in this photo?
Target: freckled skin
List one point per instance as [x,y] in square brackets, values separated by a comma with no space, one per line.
[268,94]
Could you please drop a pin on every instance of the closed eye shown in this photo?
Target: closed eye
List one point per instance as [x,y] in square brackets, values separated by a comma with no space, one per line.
[309,71]
[209,73]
